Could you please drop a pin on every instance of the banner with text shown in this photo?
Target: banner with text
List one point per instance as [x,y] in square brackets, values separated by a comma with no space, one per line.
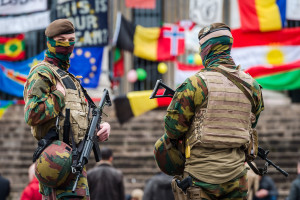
[24,23]
[22,6]
[89,18]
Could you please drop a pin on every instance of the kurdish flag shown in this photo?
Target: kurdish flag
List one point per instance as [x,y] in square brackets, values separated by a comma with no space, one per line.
[136,103]
[262,15]
[272,58]
[155,44]
[4,105]
[12,48]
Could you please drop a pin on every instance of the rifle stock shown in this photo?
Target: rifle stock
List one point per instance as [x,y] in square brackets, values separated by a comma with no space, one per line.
[261,152]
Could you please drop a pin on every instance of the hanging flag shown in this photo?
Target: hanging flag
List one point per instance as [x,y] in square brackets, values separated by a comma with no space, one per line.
[292,10]
[154,44]
[12,48]
[87,62]
[4,105]
[262,15]
[13,74]
[24,23]
[118,65]
[204,12]
[284,77]
[90,20]
[184,71]
[136,103]
[191,38]
[22,7]
[266,48]
[140,4]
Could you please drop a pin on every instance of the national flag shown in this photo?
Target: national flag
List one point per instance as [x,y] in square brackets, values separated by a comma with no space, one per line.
[87,62]
[155,44]
[13,74]
[4,105]
[184,71]
[262,15]
[140,4]
[284,77]
[12,48]
[136,103]
[266,48]
[118,65]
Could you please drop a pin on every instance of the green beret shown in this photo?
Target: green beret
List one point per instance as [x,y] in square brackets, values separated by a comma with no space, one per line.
[59,26]
[212,28]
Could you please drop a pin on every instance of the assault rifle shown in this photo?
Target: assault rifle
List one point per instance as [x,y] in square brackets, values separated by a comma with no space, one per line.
[91,140]
[261,152]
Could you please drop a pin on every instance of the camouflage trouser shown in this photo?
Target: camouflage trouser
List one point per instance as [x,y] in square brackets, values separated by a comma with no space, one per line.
[236,189]
[81,192]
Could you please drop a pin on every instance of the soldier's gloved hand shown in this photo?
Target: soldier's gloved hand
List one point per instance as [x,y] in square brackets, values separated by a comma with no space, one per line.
[42,144]
[104,132]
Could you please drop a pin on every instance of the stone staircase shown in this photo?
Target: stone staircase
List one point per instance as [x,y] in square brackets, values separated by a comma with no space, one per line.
[132,144]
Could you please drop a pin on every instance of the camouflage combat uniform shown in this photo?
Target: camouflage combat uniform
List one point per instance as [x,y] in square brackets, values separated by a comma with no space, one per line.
[44,103]
[219,172]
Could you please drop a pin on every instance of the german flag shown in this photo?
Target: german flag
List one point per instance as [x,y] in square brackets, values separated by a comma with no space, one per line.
[12,48]
[136,103]
[155,44]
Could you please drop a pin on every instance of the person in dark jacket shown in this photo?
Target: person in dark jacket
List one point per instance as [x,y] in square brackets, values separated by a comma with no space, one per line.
[159,187]
[106,182]
[295,187]
[267,189]
[5,188]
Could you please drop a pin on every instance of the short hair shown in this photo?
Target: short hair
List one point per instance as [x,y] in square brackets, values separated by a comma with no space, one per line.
[106,153]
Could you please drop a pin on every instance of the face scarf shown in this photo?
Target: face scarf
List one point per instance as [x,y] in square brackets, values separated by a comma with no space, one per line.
[216,51]
[58,53]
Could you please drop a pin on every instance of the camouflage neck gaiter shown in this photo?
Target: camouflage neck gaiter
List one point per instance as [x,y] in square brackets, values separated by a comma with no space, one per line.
[58,53]
[216,51]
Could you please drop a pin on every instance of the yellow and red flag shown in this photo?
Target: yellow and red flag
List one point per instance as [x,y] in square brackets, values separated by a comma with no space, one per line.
[12,48]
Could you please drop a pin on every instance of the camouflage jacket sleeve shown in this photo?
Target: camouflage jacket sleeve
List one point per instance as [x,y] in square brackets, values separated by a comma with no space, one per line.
[181,110]
[42,101]
[257,94]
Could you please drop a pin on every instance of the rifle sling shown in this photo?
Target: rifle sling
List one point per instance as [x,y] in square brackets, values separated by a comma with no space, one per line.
[255,169]
[238,82]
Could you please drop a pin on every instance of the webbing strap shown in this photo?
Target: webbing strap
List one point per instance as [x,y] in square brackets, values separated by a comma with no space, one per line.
[67,126]
[238,82]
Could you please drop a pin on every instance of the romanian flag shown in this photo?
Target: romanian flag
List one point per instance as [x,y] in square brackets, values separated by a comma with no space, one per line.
[155,44]
[4,105]
[270,57]
[12,48]
[136,103]
[262,15]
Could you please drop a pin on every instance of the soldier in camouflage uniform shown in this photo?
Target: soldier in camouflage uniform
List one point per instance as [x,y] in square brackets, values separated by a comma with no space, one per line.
[215,119]
[49,91]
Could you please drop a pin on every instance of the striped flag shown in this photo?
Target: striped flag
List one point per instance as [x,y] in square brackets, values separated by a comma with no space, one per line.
[12,48]
[136,103]
[262,15]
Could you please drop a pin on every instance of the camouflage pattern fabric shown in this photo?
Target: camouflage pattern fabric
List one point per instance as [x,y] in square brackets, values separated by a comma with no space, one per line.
[53,167]
[168,158]
[235,189]
[42,101]
[58,53]
[193,91]
[81,192]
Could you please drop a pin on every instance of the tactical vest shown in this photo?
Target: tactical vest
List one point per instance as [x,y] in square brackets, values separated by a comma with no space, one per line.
[74,100]
[225,121]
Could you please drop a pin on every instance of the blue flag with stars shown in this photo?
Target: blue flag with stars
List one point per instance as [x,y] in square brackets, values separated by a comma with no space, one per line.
[86,62]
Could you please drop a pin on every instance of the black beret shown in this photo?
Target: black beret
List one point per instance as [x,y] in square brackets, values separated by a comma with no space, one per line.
[59,26]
